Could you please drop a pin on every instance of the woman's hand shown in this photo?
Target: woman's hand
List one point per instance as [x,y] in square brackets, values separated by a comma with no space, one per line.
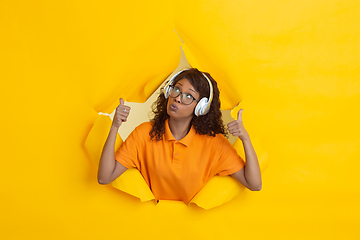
[236,128]
[121,114]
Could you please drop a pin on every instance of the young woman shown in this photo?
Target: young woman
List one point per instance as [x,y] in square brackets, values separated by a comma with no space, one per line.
[184,144]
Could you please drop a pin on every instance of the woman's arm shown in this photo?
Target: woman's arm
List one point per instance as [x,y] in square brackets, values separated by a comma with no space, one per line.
[250,175]
[109,168]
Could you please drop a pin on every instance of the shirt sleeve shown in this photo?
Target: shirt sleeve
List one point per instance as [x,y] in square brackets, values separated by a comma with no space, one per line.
[229,162]
[127,154]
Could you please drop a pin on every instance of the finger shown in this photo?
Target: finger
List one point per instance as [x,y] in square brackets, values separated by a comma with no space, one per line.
[231,128]
[234,127]
[233,123]
[122,113]
[234,131]
[122,108]
[123,118]
[121,101]
[240,115]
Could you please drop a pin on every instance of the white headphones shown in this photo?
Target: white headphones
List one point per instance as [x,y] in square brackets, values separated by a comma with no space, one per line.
[203,106]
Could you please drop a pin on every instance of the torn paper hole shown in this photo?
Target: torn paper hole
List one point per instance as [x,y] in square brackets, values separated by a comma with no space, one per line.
[216,192]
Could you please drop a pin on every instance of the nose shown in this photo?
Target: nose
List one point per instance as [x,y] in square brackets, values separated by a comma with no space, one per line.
[178,99]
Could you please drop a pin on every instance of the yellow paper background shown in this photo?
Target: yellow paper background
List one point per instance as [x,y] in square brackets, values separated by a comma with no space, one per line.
[295,63]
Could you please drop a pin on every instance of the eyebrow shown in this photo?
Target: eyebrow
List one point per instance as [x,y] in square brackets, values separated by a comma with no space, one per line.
[189,88]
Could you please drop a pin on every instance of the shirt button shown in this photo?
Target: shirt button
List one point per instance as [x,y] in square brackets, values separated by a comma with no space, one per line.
[175,154]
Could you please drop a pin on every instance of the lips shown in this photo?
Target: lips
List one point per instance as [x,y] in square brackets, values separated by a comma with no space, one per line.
[173,107]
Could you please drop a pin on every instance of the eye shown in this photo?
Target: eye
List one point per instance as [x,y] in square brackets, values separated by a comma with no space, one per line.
[188,96]
[176,89]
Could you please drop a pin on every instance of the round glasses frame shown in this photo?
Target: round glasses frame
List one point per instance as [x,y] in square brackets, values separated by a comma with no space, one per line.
[174,94]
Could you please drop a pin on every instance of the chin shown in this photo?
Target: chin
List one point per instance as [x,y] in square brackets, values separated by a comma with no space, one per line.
[171,113]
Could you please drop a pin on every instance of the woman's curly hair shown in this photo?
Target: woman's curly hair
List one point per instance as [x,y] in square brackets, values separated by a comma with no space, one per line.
[208,124]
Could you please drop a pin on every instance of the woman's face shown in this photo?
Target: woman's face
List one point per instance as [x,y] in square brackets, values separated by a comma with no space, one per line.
[177,109]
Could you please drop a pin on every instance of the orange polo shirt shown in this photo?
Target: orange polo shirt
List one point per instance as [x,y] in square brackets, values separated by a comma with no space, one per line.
[177,170]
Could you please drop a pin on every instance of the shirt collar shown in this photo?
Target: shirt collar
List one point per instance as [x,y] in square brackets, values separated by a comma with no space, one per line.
[186,140]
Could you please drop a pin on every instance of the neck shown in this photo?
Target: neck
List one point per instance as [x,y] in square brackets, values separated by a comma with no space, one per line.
[179,128]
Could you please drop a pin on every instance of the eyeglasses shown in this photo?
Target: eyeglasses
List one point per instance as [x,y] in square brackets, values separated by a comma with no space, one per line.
[186,98]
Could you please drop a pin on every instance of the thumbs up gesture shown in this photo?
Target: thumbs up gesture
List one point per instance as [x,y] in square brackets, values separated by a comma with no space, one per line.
[121,114]
[236,128]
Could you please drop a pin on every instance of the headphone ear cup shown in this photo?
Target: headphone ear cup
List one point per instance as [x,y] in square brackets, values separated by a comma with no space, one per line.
[201,107]
[167,91]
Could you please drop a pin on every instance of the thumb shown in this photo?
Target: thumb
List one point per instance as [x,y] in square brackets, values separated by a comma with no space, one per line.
[240,115]
[121,101]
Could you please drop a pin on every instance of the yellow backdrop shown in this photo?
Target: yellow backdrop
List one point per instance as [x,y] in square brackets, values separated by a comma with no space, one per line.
[294,63]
